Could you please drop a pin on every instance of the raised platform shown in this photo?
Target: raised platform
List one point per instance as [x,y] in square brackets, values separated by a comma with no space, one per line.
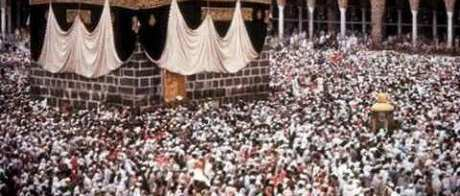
[138,84]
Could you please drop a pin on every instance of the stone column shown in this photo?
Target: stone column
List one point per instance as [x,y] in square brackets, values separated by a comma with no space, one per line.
[377,10]
[343,23]
[3,17]
[343,20]
[450,16]
[281,4]
[399,22]
[414,4]
[450,5]
[363,20]
[435,25]
[311,17]
[414,27]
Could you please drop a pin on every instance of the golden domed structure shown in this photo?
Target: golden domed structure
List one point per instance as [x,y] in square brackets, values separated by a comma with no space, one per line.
[382,113]
[383,104]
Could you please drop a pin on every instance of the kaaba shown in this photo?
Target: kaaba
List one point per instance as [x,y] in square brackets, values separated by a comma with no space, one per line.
[140,29]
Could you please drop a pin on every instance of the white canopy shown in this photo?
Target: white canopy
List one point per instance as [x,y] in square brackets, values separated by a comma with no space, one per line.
[190,51]
[90,54]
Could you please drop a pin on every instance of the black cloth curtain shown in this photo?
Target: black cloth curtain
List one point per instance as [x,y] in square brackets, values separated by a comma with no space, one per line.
[153,38]
[37,29]
[125,37]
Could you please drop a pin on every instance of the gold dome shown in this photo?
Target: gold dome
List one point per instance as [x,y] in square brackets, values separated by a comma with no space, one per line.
[383,103]
[382,107]
[383,98]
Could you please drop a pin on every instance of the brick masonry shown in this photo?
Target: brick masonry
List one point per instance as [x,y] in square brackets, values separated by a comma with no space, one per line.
[138,84]
[250,83]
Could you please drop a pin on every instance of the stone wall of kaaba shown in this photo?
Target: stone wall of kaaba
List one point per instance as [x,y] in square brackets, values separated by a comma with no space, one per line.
[250,83]
[138,83]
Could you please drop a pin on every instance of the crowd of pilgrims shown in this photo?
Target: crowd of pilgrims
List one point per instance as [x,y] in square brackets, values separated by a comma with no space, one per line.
[310,137]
